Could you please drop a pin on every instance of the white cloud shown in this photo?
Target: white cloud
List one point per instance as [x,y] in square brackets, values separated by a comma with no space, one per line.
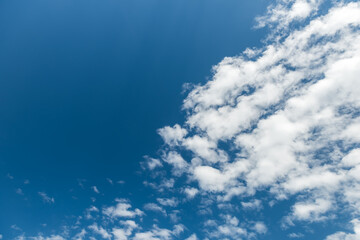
[191,192]
[126,231]
[52,237]
[230,229]
[151,163]
[192,237]
[119,234]
[170,202]
[178,163]
[311,211]
[122,209]
[260,227]
[164,185]
[254,204]
[46,198]
[110,181]
[210,178]
[95,189]
[296,235]
[100,231]
[285,12]
[347,236]
[352,159]
[89,212]
[154,207]
[172,135]
[80,235]
[129,224]
[155,234]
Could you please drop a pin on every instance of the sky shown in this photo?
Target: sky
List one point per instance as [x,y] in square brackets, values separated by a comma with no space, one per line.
[160,120]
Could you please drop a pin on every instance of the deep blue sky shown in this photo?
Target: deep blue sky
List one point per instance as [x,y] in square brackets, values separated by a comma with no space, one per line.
[85,84]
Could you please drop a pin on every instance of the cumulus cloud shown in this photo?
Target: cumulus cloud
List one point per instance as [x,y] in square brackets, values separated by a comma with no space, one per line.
[192,237]
[80,235]
[151,163]
[178,164]
[282,120]
[347,236]
[260,227]
[170,202]
[122,209]
[52,237]
[191,192]
[255,204]
[172,135]
[157,233]
[285,12]
[100,231]
[154,207]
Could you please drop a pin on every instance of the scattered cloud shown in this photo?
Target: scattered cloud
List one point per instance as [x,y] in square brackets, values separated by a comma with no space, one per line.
[95,189]
[100,231]
[347,236]
[122,209]
[19,191]
[46,198]
[154,207]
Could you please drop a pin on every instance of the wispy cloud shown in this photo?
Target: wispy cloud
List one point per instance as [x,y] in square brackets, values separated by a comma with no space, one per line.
[46,198]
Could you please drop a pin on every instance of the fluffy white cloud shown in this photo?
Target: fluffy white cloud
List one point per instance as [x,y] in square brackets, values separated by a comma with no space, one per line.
[191,192]
[347,236]
[151,163]
[80,235]
[177,162]
[260,227]
[120,234]
[253,205]
[311,210]
[100,231]
[230,229]
[157,233]
[52,237]
[192,237]
[172,135]
[210,178]
[285,12]
[154,207]
[171,202]
[122,209]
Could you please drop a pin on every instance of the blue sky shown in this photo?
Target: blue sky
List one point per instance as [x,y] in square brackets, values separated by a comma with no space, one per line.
[186,119]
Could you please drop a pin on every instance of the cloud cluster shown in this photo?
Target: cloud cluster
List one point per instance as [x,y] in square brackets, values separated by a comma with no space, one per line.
[118,222]
[283,120]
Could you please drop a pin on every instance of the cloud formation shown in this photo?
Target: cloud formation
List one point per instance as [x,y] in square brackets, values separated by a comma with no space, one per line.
[282,120]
